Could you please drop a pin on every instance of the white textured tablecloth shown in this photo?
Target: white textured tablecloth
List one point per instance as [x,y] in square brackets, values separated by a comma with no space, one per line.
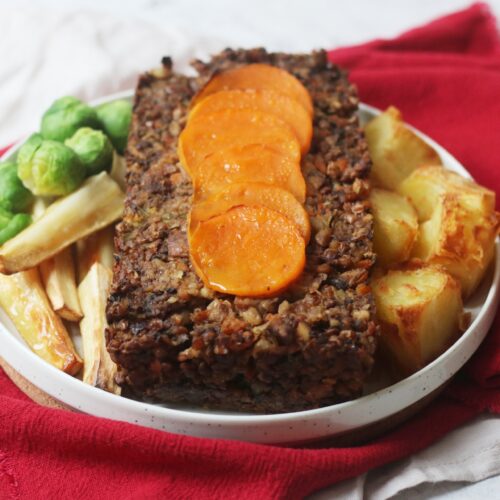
[91,48]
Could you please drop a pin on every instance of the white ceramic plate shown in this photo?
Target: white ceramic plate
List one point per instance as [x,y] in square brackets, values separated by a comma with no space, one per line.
[381,405]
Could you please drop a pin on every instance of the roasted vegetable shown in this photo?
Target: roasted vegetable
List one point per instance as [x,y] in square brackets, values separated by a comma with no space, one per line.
[58,275]
[247,251]
[39,207]
[420,313]
[118,170]
[395,226]
[49,168]
[65,117]
[14,226]
[395,149]
[99,369]
[13,195]
[93,148]
[461,241]
[252,194]
[97,203]
[115,120]
[23,298]
[97,247]
[426,185]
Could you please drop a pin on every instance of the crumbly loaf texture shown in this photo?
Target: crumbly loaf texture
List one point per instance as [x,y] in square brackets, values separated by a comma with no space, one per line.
[176,341]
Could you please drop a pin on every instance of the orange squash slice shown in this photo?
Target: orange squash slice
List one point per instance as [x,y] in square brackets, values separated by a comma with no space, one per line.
[209,133]
[251,163]
[248,251]
[268,101]
[258,77]
[252,195]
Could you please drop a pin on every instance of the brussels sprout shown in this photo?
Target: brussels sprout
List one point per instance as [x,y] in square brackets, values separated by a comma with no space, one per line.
[14,226]
[115,119]
[93,148]
[29,147]
[65,117]
[13,195]
[5,217]
[52,169]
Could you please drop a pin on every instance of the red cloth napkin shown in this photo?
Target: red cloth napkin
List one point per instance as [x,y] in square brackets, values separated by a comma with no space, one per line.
[445,77]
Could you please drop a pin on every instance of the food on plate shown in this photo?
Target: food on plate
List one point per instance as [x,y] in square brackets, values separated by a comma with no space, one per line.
[458,223]
[37,297]
[396,151]
[14,197]
[65,116]
[461,241]
[420,312]
[251,163]
[209,133]
[248,239]
[443,227]
[395,226]
[93,149]
[248,251]
[258,77]
[97,247]
[23,298]
[12,224]
[58,276]
[96,204]
[241,278]
[93,291]
[252,194]
[118,169]
[114,118]
[49,168]
[39,207]
[268,101]
[176,339]
[426,185]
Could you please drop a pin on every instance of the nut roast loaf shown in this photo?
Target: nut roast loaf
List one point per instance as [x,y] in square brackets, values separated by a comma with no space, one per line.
[176,341]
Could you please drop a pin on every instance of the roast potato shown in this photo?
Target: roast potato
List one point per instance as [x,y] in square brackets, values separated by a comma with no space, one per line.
[419,311]
[425,185]
[461,241]
[395,226]
[396,150]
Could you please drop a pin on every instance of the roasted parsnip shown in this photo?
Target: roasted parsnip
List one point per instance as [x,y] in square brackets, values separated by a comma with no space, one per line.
[23,298]
[39,207]
[96,204]
[99,369]
[58,275]
[118,170]
[97,247]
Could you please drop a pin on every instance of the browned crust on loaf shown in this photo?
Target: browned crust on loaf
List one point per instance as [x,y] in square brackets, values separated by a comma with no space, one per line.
[176,341]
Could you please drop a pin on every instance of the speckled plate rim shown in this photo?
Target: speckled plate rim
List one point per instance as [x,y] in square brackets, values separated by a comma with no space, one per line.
[274,428]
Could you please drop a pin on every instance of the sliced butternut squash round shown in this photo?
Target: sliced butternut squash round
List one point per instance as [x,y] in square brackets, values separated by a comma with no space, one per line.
[206,134]
[269,101]
[251,163]
[252,194]
[248,251]
[258,77]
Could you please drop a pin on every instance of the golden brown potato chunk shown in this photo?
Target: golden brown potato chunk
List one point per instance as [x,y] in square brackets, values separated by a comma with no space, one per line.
[420,312]
[460,240]
[395,226]
[426,184]
[395,149]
